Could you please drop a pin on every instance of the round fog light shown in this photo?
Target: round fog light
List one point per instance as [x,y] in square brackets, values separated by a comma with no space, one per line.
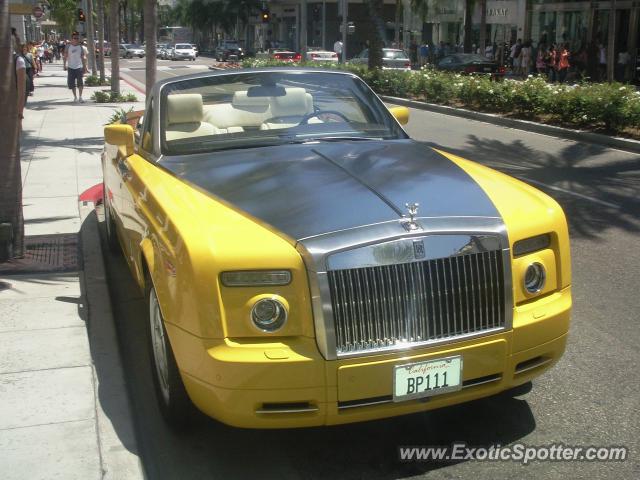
[534,278]
[268,314]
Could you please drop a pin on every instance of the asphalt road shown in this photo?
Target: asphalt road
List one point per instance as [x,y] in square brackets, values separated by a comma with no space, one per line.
[592,397]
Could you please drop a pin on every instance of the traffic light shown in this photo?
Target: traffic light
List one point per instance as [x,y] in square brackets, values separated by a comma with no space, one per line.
[265,15]
[81,17]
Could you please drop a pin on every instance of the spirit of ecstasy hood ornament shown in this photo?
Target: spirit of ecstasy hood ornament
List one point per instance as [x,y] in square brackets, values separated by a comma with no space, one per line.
[411,224]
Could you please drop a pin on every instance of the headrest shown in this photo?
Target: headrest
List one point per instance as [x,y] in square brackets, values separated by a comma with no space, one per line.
[296,102]
[240,99]
[184,108]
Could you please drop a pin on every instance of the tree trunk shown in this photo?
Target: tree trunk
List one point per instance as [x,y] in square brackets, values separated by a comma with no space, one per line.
[125,22]
[91,38]
[611,43]
[468,12]
[141,34]
[132,20]
[101,38]
[483,26]
[396,33]
[150,27]
[375,34]
[11,177]
[114,33]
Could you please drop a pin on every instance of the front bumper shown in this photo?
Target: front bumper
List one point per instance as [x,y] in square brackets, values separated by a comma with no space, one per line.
[282,384]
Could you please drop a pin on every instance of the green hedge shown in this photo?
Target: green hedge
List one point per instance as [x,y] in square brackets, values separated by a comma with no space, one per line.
[614,107]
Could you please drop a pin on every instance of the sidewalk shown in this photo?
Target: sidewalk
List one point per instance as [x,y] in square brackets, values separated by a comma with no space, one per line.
[64,410]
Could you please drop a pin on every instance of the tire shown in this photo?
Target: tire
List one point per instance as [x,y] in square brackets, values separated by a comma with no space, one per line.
[110,225]
[173,401]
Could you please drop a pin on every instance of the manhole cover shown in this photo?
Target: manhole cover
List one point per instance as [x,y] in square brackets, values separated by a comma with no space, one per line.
[46,253]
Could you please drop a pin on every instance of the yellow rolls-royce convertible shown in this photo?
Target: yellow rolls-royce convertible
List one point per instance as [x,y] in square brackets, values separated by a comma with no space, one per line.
[306,263]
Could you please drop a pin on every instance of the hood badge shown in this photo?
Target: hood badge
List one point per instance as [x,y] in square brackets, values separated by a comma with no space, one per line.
[411,225]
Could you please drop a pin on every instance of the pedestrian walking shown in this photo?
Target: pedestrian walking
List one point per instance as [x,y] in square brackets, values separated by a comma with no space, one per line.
[40,54]
[525,59]
[338,48]
[551,59]
[413,53]
[514,56]
[541,63]
[602,62]
[621,65]
[20,70]
[424,54]
[75,62]
[29,68]
[563,62]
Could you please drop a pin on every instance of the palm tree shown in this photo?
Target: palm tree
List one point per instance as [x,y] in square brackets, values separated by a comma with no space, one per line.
[150,28]
[376,34]
[101,38]
[90,38]
[11,179]
[483,26]
[114,33]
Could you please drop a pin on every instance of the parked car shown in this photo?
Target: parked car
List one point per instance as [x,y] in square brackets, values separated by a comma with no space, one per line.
[160,48]
[321,55]
[392,59]
[183,51]
[284,55]
[305,262]
[166,52]
[130,50]
[228,50]
[470,63]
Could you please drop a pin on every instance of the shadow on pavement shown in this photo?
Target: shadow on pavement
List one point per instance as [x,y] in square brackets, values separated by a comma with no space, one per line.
[366,450]
[575,168]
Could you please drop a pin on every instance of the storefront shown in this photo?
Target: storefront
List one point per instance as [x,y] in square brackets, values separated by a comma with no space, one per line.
[579,23]
[505,21]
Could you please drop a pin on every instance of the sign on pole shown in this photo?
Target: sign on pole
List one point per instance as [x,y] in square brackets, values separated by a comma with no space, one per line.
[37,11]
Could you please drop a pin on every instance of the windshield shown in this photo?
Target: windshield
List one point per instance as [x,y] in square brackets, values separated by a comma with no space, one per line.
[244,110]
[183,46]
[393,54]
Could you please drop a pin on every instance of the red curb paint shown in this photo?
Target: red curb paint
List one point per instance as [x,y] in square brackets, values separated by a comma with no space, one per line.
[132,85]
[93,194]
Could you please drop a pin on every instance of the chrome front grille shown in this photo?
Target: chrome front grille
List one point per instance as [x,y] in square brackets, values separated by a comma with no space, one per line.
[390,306]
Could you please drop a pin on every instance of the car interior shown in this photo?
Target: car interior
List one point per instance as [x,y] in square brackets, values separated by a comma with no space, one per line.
[187,116]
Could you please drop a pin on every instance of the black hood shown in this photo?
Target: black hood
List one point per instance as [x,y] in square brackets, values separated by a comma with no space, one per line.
[311,189]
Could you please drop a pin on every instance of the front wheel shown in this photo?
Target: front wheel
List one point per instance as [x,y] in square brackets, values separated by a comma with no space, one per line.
[110,224]
[174,403]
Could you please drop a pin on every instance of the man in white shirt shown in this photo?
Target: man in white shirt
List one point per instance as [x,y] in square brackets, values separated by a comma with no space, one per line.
[337,47]
[75,62]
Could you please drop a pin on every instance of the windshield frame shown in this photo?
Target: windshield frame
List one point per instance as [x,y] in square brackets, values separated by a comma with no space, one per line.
[285,136]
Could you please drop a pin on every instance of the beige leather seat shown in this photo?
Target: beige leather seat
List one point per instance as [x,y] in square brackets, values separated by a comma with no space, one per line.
[289,109]
[242,112]
[185,117]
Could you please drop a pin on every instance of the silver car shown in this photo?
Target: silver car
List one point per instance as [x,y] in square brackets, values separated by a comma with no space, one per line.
[183,51]
[130,50]
[392,59]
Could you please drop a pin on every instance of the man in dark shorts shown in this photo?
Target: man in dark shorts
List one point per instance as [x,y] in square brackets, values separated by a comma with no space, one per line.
[75,62]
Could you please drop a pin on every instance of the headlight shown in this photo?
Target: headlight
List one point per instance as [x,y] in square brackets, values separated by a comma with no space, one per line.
[253,278]
[533,244]
[268,314]
[534,278]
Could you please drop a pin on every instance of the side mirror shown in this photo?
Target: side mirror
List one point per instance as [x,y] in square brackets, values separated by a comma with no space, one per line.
[120,135]
[401,114]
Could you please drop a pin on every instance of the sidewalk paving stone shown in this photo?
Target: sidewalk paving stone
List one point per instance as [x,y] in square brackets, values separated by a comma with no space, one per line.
[64,410]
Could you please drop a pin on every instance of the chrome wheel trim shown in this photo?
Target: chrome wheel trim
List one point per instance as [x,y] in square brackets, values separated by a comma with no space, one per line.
[159,345]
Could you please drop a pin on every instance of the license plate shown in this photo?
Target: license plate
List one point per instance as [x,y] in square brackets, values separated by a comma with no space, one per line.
[426,379]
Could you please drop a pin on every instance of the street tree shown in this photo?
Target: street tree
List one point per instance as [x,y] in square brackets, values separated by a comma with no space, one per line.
[10,125]
[65,13]
[114,33]
[376,34]
[100,25]
[150,29]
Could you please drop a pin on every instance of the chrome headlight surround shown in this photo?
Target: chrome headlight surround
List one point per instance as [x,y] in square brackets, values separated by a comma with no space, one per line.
[269,314]
[535,276]
[255,278]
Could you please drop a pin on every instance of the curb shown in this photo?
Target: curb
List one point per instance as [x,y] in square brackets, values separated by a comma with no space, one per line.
[119,452]
[552,130]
